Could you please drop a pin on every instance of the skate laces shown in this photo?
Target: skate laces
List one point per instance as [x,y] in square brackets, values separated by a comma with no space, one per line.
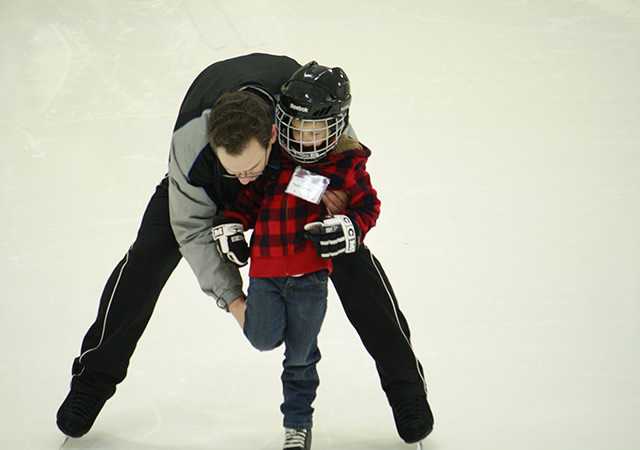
[83,404]
[294,438]
[409,409]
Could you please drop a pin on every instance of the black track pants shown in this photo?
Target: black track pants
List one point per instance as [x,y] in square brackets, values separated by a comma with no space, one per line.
[132,291]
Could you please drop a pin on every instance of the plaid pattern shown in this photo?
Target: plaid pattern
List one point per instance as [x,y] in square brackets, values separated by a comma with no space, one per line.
[278,245]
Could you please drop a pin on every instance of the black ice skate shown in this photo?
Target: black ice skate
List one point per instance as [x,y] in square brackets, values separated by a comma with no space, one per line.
[297,439]
[78,412]
[411,413]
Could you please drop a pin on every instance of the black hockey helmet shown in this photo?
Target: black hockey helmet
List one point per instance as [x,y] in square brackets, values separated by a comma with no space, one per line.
[317,98]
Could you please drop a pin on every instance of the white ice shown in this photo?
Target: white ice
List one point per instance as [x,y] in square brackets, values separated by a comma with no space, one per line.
[506,151]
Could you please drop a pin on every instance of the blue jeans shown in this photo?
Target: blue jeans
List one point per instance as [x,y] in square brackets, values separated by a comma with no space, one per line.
[290,310]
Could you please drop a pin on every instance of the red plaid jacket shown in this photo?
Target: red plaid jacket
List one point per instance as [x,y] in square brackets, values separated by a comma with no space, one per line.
[278,245]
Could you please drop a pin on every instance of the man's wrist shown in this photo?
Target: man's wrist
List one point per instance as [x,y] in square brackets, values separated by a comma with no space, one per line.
[237,309]
[234,304]
[228,297]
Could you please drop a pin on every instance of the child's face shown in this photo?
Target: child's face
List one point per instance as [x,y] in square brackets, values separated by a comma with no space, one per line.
[310,132]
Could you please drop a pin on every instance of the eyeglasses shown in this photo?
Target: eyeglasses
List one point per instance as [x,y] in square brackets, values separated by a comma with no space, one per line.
[250,174]
[243,175]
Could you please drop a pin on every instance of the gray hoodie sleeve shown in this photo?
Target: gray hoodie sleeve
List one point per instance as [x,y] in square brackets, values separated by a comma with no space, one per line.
[191,212]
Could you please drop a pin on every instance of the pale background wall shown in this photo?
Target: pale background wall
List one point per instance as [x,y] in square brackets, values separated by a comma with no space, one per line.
[505,138]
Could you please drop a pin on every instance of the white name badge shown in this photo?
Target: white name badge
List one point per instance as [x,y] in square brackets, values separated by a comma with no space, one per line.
[307,185]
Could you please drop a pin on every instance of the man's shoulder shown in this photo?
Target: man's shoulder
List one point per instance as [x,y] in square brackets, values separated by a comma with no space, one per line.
[189,142]
[191,138]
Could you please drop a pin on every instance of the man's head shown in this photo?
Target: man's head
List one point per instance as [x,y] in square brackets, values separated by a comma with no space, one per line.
[241,133]
[313,111]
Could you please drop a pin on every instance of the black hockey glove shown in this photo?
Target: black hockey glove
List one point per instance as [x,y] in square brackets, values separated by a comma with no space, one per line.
[333,236]
[229,238]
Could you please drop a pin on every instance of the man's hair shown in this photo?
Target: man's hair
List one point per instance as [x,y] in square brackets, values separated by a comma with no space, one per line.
[236,118]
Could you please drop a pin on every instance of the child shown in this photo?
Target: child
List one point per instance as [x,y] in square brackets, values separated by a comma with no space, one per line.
[293,239]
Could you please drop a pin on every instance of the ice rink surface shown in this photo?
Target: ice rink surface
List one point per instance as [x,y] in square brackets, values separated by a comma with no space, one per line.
[506,152]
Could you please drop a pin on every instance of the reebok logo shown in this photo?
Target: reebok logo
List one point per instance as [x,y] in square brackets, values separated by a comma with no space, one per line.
[298,108]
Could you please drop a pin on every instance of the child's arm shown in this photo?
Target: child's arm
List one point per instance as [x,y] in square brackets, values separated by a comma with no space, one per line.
[343,233]
[364,206]
[247,204]
[228,228]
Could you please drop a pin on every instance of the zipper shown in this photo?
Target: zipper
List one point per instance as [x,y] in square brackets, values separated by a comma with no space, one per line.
[284,235]
[286,222]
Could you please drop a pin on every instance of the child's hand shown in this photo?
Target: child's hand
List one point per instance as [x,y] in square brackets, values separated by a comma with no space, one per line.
[333,236]
[229,239]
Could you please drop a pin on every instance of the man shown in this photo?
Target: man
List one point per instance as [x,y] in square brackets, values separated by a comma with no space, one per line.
[177,222]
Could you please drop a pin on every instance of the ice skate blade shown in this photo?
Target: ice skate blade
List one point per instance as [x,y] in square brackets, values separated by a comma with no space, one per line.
[419,446]
[66,438]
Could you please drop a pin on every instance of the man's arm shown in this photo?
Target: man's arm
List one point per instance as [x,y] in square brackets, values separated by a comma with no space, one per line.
[191,212]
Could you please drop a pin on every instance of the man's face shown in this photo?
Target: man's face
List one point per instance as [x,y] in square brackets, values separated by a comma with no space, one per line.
[248,165]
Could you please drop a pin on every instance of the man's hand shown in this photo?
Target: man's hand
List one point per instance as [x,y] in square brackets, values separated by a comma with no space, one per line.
[229,239]
[333,236]
[237,309]
[335,201]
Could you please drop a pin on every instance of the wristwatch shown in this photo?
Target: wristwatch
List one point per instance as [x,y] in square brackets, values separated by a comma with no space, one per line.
[222,304]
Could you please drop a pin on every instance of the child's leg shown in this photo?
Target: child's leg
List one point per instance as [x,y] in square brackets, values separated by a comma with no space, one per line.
[306,305]
[264,321]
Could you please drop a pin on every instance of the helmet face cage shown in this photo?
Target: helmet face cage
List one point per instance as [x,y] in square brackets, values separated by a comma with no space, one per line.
[291,138]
